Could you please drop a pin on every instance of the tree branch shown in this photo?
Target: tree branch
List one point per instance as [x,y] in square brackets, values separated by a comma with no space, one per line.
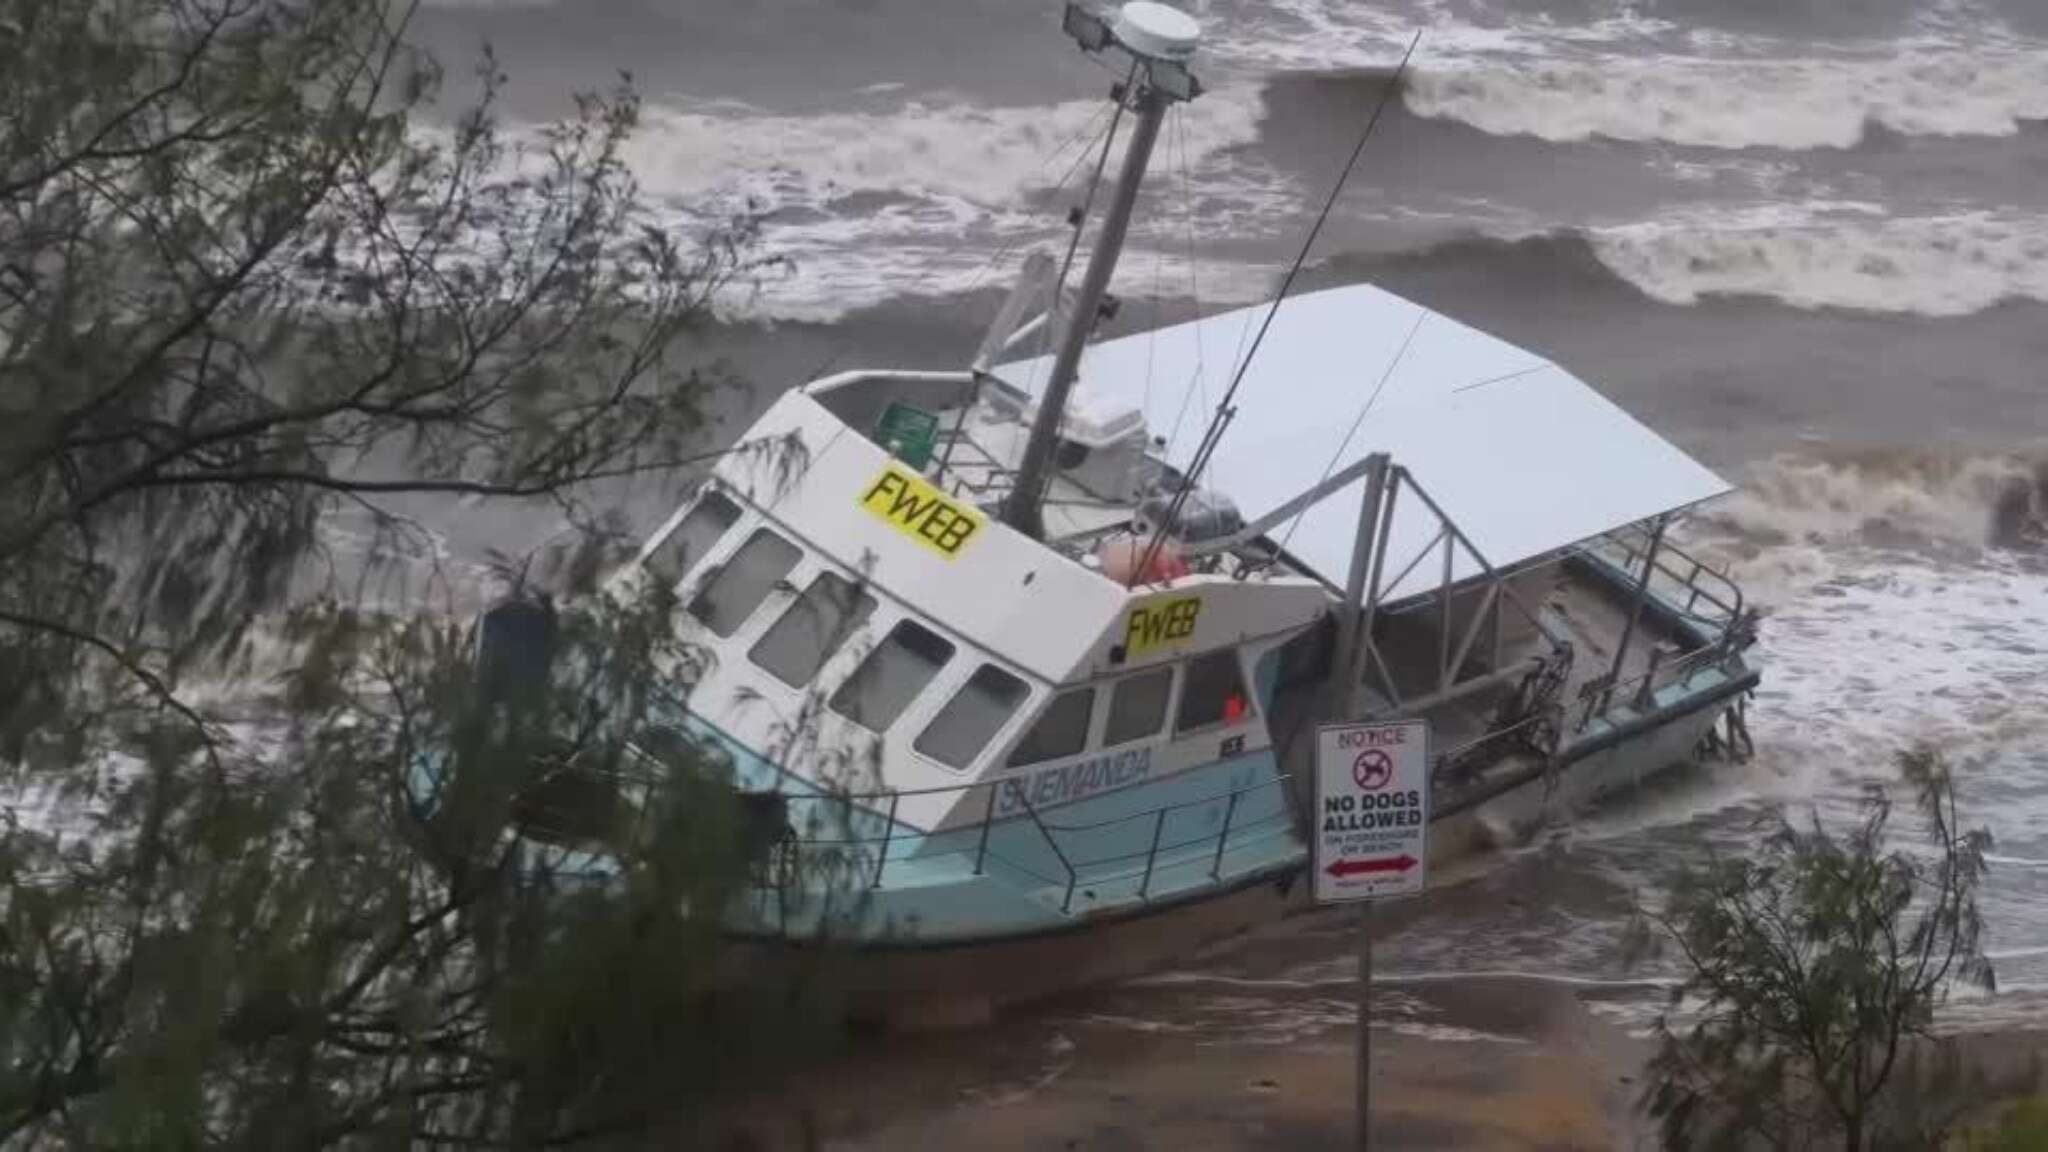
[161,691]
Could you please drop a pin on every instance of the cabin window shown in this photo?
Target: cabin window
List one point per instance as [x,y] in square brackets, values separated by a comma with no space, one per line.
[1214,692]
[742,582]
[816,624]
[892,675]
[1137,706]
[972,717]
[1062,731]
[693,538]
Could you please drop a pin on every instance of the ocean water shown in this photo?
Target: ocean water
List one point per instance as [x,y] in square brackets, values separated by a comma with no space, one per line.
[1806,240]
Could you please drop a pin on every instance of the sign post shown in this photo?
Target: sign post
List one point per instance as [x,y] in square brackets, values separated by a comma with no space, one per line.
[1372,840]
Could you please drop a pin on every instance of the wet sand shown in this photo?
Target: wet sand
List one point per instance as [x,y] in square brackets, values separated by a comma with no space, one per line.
[1482,1064]
[1249,1045]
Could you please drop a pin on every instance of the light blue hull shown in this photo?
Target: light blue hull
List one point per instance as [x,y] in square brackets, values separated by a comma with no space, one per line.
[1205,831]
[854,874]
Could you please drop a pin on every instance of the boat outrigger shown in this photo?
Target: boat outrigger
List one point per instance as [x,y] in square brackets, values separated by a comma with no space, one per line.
[1042,678]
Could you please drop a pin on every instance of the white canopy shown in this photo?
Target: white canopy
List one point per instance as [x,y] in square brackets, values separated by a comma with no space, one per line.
[1523,456]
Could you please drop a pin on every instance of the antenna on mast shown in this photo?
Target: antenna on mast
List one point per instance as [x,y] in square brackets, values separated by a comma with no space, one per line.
[1159,42]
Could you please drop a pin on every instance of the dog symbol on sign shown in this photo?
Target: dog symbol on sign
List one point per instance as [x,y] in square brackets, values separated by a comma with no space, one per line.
[1372,770]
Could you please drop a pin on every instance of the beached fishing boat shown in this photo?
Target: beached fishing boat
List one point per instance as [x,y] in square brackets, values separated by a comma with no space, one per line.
[1033,670]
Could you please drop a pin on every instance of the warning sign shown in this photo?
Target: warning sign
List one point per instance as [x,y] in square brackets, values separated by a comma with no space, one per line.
[1372,810]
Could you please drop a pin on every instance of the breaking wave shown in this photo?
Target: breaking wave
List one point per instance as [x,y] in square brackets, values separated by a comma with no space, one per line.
[866,204]
[1635,77]
[1813,256]
[1834,256]
[1724,102]
[1888,498]
[1905,601]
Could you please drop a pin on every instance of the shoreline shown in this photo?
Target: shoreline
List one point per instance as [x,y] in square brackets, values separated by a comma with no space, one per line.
[1245,1047]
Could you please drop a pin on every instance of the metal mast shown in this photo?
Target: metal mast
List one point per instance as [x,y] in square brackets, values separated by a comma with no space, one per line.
[1159,40]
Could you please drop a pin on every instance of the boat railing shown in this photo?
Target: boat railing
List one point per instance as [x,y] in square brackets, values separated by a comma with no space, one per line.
[1534,730]
[1540,730]
[1688,583]
[1192,838]
[1667,666]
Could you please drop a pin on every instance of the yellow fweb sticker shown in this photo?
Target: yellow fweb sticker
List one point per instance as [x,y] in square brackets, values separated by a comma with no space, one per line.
[907,503]
[1161,624]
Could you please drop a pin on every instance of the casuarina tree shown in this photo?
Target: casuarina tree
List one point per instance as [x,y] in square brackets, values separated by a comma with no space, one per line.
[264,299]
[1812,970]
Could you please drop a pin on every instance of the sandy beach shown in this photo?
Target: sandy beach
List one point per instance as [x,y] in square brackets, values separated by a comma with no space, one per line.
[1482,1064]
[1249,1045]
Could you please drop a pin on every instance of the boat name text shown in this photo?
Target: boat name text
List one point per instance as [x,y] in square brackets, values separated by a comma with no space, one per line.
[1160,624]
[1073,781]
[907,503]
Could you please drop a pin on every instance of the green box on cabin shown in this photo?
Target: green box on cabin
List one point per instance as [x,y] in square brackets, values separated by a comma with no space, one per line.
[908,433]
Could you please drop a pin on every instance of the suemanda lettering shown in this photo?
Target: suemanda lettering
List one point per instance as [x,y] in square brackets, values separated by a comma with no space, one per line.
[1057,785]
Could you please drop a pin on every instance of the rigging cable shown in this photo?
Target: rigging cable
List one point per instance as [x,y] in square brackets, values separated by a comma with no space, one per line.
[965,295]
[1421,314]
[1080,157]
[1059,285]
[1224,411]
[1195,377]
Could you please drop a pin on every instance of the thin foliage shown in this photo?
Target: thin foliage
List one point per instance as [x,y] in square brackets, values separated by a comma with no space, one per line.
[257,881]
[1813,968]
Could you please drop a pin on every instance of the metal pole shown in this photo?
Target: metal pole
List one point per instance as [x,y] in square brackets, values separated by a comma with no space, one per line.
[1349,618]
[888,833]
[1152,853]
[1020,510]
[1351,641]
[988,817]
[1365,1026]
[1373,587]
[1635,612]
[1230,813]
[1444,621]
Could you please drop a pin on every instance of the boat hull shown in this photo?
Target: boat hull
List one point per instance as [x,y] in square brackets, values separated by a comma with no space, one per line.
[909,984]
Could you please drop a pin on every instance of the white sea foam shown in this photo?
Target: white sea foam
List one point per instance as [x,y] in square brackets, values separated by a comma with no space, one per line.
[1741,102]
[1833,255]
[916,198]
[1318,35]
[1819,499]
[1889,624]
[1636,77]
[989,156]
[838,266]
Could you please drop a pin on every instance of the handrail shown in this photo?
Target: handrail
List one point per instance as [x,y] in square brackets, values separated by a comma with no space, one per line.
[1050,843]
[1690,581]
[1123,866]
[840,380]
[1453,753]
[1204,838]
[1598,697]
[1074,866]
[1278,778]
[969,786]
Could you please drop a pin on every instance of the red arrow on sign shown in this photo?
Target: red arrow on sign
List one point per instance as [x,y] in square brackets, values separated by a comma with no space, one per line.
[1401,863]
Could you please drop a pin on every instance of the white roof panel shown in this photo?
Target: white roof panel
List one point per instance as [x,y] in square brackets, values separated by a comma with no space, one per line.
[1522,455]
